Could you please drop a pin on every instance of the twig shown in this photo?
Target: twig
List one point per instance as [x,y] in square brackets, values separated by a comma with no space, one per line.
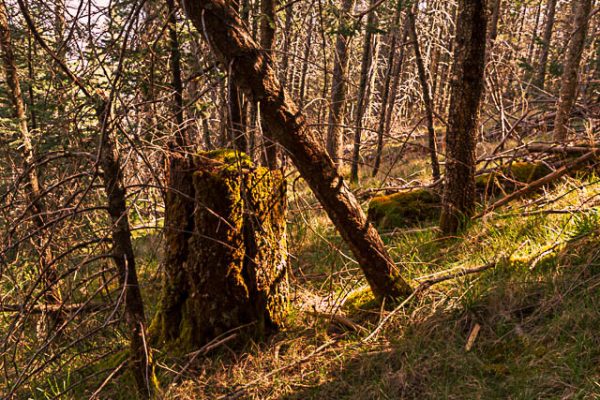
[424,286]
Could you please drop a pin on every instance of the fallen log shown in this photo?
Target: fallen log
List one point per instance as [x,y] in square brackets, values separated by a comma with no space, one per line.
[559,148]
[565,169]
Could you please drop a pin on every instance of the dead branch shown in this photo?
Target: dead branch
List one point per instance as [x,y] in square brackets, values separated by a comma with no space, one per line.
[565,169]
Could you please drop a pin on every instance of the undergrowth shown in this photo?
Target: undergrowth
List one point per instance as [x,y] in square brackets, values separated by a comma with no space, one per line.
[531,321]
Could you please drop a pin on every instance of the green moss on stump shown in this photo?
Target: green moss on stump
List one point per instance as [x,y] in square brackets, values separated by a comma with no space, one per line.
[405,209]
[228,158]
[235,271]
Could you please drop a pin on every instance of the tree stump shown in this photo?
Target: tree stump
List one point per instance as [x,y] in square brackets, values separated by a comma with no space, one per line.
[226,251]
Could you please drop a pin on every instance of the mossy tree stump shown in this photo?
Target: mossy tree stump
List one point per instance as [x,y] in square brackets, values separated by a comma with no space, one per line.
[226,253]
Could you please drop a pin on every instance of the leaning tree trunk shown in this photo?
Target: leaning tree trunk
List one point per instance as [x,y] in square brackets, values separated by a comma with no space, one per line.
[568,88]
[466,90]
[226,256]
[255,74]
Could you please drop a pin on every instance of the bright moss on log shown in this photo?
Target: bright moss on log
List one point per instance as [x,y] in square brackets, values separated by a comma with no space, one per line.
[510,177]
[234,273]
[405,208]
[410,208]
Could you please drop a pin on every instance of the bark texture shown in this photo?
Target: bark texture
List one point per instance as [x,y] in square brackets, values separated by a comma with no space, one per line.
[466,89]
[363,89]
[568,87]
[234,46]
[226,255]
[335,130]
[424,80]
[545,46]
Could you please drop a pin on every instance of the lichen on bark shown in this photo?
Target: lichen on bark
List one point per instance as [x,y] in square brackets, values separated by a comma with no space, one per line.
[232,269]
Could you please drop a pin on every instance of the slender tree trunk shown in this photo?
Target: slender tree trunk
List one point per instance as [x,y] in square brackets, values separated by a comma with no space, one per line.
[534,35]
[335,131]
[568,88]
[267,40]
[540,77]
[236,125]
[305,61]
[493,25]
[176,81]
[466,90]
[255,74]
[34,190]
[287,37]
[385,86]
[363,88]
[424,79]
[389,107]
[122,249]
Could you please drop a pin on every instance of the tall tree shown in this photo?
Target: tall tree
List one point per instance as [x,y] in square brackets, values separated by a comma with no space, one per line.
[540,78]
[254,72]
[388,107]
[335,130]
[363,88]
[466,89]
[236,124]
[568,87]
[268,24]
[424,79]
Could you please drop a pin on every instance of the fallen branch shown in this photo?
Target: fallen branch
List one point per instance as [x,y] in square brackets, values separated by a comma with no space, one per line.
[423,286]
[339,319]
[40,309]
[559,149]
[565,169]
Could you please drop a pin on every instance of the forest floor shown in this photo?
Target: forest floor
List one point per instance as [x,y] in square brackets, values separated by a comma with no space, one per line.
[525,328]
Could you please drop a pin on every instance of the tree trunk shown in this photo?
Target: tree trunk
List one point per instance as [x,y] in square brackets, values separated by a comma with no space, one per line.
[255,73]
[568,88]
[34,188]
[226,255]
[335,130]
[268,24]
[122,249]
[424,79]
[176,82]
[540,78]
[305,62]
[287,37]
[493,25]
[466,89]
[396,73]
[363,89]
[385,86]
[236,126]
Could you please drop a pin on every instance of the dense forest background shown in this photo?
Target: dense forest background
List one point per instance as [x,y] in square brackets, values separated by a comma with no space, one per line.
[299,199]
